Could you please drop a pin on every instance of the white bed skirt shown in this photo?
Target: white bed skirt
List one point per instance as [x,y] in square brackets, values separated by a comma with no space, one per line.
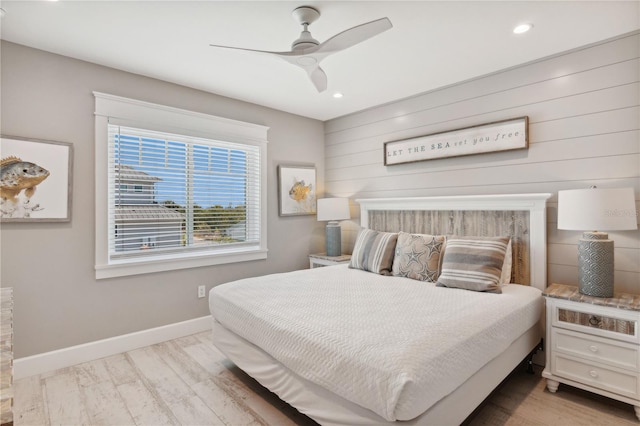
[329,409]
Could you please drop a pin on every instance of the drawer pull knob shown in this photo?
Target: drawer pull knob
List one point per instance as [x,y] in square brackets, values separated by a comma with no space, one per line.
[593,373]
[593,348]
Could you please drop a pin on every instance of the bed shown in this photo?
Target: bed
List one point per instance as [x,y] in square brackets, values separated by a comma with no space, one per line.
[349,345]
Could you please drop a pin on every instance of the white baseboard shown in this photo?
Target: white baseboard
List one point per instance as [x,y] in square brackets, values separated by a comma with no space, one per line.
[49,361]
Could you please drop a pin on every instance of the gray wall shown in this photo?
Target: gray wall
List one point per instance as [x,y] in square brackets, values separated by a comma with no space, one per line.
[584,112]
[584,127]
[58,302]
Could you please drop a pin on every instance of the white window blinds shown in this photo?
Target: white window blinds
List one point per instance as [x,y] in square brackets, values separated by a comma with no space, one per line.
[175,188]
[174,194]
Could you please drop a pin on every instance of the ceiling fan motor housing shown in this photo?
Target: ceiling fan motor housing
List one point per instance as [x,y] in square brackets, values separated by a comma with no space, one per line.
[305,15]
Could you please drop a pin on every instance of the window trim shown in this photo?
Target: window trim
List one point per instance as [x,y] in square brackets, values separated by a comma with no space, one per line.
[130,112]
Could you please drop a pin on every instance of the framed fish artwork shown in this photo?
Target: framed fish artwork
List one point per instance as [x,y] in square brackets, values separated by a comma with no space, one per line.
[35,180]
[296,190]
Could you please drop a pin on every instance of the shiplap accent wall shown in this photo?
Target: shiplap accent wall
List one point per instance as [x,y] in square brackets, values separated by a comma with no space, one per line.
[584,129]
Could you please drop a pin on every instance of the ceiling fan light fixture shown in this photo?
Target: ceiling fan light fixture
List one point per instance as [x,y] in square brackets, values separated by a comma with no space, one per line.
[522,28]
[306,61]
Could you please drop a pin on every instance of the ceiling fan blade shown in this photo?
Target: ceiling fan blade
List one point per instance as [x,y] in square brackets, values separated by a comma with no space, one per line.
[318,78]
[252,50]
[354,36]
[288,56]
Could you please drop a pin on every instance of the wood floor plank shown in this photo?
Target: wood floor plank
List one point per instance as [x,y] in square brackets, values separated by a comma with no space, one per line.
[105,405]
[28,406]
[204,336]
[193,411]
[120,369]
[207,339]
[165,381]
[496,415]
[186,367]
[185,341]
[224,405]
[184,404]
[143,405]
[64,399]
[91,373]
[207,356]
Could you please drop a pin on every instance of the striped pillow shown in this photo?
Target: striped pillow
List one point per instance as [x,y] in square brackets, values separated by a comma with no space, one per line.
[473,263]
[374,251]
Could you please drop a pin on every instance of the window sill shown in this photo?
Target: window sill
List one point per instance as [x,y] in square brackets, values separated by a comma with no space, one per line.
[137,267]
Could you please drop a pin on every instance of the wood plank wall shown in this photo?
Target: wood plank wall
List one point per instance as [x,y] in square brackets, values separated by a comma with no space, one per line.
[462,223]
[584,129]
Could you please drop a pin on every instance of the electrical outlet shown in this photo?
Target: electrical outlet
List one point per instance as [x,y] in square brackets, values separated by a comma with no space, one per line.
[201,291]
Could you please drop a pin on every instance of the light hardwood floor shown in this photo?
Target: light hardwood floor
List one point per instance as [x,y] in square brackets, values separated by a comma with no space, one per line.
[187,381]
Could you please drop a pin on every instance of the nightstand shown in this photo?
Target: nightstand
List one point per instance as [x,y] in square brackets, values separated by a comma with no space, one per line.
[321,259]
[593,343]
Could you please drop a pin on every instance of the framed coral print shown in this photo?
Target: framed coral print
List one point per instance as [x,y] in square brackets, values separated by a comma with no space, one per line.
[35,180]
[296,190]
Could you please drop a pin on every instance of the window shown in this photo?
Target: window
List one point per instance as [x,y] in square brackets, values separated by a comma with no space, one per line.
[170,198]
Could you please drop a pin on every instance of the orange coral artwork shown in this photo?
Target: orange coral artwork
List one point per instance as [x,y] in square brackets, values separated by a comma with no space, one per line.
[296,190]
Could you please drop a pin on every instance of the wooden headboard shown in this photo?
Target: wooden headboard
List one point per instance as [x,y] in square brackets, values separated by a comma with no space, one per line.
[521,216]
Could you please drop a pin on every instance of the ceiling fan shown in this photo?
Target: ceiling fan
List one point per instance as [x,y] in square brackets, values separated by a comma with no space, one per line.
[306,52]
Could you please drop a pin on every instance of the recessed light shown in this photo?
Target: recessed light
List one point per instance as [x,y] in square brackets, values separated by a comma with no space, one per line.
[522,28]
[337,95]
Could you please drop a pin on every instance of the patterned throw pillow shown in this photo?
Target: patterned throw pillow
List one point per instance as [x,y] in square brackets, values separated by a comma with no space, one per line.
[374,251]
[418,256]
[473,263]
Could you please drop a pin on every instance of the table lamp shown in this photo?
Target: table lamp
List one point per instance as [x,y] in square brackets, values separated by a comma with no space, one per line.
[333,210]
[602,210]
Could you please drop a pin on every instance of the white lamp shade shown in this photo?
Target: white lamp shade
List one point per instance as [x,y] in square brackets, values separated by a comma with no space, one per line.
[333,209]
[597,209]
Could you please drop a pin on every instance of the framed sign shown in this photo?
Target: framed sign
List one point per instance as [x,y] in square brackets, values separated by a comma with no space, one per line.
[35,180]
[491,137]
[296,190]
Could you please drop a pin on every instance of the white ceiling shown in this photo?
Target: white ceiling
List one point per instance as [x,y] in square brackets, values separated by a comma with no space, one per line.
[432,43]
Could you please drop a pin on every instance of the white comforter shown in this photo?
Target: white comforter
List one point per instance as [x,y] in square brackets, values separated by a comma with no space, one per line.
[393,345]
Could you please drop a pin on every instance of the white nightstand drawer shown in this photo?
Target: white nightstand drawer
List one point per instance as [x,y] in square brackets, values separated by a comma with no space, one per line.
[597,376]
[597,320]
[611,352]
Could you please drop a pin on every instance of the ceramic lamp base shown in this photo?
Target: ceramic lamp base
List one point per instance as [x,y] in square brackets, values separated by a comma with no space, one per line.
[333,239]
[595,264]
